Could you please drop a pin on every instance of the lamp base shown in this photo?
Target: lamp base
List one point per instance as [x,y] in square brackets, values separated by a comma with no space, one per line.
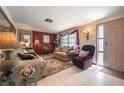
[8,54]
[8,63]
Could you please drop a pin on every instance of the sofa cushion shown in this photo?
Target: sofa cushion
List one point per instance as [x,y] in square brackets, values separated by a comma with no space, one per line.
[65,49]
[60,54]
[83,53]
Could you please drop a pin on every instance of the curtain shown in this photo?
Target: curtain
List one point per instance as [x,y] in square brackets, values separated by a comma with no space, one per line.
[69,33]
[77,37]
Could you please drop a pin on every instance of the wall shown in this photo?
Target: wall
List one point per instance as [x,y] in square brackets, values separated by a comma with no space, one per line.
[39,47]
[92,35]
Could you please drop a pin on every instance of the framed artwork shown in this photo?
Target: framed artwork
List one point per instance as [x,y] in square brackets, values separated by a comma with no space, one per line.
[25,40]
[46,39]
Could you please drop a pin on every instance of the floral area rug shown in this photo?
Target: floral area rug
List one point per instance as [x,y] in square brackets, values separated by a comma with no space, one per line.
[51,65]
[55,65]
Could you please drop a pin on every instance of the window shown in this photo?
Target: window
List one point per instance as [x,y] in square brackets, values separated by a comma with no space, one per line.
[100,45]
[65,40]
[69,40]
[72,40]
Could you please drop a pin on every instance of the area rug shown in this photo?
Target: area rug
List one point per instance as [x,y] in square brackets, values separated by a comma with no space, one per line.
[52,66]
[55,65]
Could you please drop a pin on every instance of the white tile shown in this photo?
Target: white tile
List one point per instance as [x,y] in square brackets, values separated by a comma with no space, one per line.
[73,76]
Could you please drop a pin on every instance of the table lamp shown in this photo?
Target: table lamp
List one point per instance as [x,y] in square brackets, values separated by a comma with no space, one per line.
[8,43]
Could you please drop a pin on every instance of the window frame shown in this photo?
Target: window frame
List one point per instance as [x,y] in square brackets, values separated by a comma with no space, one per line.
[68,44]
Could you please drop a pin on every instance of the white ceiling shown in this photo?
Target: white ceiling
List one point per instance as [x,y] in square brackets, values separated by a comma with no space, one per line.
[64,17]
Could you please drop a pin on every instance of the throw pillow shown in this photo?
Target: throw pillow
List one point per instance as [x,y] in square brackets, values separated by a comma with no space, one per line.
[25,51]
[30,50]
[57,49]
[72,52]
[25,56]
[83,53]
[65,49]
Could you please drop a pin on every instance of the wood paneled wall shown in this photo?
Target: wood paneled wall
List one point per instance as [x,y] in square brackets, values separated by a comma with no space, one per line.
[39,47]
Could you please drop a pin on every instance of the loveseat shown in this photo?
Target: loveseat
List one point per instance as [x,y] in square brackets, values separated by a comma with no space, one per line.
[64,53]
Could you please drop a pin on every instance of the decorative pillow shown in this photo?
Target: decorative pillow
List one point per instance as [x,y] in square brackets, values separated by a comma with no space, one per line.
[65,49]
[83,53]
[25,56]
[25,51]
[58,49]
[72,52]
[30,50]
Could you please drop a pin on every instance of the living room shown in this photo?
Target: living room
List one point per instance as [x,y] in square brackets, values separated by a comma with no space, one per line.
[54,48]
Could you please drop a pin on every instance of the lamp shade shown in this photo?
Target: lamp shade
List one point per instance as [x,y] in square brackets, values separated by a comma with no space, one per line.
[36,42]
[8,41]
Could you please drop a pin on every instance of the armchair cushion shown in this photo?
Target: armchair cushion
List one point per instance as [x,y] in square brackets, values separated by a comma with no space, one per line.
[83,53]
[71,52]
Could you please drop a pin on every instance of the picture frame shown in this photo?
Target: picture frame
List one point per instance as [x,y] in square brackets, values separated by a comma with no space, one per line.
[46,39]
[25,40]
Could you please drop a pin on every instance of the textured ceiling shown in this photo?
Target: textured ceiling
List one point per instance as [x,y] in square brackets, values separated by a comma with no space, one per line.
[64,17]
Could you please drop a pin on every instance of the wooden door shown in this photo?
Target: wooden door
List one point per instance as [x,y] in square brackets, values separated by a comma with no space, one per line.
[113,46]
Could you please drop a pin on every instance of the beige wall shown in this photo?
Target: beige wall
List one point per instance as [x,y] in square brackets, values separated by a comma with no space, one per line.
[92,35]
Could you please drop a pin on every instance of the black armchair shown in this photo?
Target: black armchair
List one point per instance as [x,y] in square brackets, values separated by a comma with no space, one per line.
[85,62]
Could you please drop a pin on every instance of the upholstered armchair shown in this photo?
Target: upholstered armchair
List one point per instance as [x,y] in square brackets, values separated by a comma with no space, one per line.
[84,62]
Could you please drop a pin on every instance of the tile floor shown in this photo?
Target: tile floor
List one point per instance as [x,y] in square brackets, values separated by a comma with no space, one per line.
[76,77]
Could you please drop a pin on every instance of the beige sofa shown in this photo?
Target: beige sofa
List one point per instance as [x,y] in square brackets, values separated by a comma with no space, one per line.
[63,53]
